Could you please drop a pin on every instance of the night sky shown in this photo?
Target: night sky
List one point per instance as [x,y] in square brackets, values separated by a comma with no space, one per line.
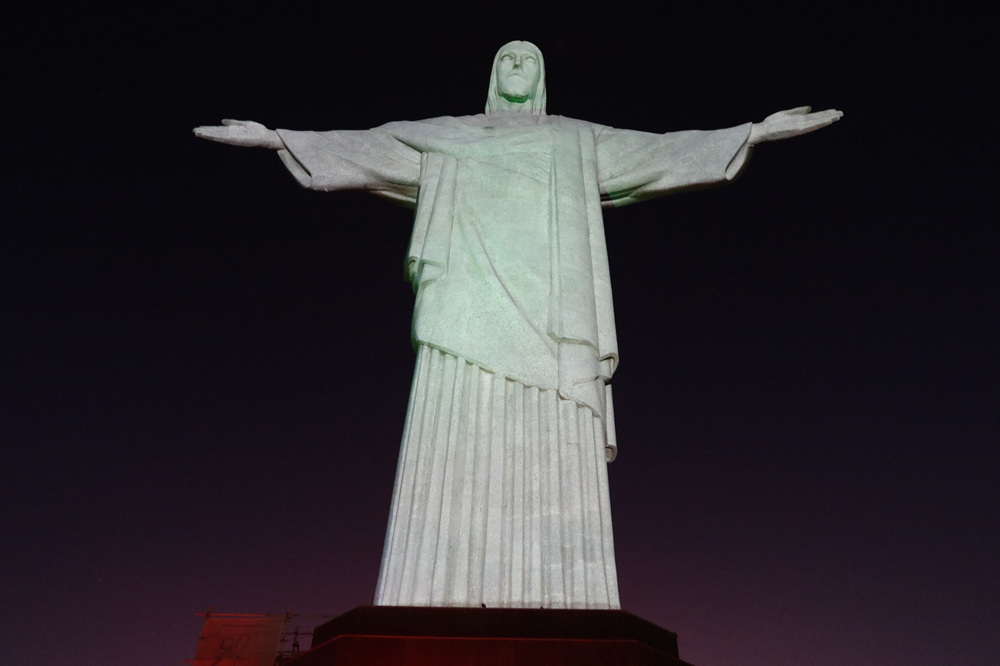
[204,368]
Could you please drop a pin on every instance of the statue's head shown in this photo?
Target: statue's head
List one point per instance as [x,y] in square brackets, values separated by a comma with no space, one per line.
[517,82]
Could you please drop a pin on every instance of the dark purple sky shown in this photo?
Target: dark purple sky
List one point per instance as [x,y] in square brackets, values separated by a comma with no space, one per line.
[204,368]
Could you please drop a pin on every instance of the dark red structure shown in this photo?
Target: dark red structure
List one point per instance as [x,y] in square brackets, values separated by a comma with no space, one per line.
[412,636]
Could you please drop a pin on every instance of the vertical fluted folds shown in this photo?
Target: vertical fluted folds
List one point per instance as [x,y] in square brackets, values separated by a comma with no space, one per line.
[501,497]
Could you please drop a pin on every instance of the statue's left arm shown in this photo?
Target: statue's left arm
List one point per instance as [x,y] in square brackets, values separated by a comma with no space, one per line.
[635,166]
[792,122]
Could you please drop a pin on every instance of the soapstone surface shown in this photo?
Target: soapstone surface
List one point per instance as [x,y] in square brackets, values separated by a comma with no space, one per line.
[501,495]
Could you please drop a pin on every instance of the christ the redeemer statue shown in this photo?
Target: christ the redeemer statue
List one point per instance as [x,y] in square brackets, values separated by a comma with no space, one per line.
[501,494]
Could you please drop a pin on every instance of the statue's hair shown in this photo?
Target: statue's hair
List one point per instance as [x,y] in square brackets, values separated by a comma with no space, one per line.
[537,101]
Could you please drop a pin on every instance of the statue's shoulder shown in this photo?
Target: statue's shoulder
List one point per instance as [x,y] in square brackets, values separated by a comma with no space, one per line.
[441,121]
[452,126]
[484,120]
[566,121]
[578,124]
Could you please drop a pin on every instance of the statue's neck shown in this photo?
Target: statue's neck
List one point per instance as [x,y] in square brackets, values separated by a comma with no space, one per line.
[512,119]
[507,105]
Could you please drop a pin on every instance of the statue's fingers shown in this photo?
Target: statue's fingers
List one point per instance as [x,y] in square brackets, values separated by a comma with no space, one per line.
[820,124]
[230,135]
[826,117]
[797,111]
[815,121]
[210,132]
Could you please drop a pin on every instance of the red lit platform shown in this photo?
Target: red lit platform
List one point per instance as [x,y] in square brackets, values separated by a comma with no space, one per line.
[411,636]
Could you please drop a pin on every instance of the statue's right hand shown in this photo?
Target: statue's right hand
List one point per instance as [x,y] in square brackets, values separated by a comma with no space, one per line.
[241,133]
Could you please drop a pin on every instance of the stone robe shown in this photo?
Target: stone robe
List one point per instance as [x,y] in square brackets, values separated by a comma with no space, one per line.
[501,495]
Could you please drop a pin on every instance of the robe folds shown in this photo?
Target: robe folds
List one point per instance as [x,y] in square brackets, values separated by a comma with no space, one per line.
[501,492]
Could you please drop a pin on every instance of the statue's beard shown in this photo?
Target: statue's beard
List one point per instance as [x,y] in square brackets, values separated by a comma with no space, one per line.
[516,88]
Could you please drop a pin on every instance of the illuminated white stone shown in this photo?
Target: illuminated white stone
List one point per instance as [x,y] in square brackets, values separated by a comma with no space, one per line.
[501,494]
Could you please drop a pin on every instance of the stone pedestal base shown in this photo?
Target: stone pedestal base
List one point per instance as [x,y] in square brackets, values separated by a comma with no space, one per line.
[403,635]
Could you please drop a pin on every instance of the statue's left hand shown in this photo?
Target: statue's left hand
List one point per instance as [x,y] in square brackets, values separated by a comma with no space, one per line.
[245,133]
[793,122]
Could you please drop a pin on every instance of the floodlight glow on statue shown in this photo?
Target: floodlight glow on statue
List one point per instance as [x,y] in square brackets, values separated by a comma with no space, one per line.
[501,494]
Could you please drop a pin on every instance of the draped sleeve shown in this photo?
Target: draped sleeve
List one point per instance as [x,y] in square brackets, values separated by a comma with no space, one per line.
[634,166]
[369,160]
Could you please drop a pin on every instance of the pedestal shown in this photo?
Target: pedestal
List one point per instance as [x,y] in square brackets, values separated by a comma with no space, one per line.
[375,635]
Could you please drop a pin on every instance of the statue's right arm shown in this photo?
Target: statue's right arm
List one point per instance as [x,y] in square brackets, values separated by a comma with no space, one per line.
[244,133]
[368,160]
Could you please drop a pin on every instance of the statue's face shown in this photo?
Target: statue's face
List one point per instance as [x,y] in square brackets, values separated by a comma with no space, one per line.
[518,72]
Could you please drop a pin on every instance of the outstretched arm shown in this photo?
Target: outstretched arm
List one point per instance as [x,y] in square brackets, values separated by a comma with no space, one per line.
[793,122]
[244,133]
